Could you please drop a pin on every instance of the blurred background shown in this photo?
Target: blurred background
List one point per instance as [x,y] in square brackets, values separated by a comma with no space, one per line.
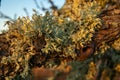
[12,9]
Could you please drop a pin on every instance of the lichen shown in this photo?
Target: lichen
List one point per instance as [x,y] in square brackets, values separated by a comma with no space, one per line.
[49,40]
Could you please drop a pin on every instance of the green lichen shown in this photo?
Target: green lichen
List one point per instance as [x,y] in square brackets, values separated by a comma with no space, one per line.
[58,36]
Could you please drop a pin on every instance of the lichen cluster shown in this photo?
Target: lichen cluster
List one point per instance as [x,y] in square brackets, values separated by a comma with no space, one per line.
[77,33]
